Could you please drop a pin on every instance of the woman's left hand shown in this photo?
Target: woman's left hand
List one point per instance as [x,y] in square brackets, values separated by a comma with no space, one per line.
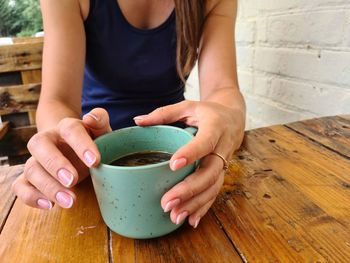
[220,130]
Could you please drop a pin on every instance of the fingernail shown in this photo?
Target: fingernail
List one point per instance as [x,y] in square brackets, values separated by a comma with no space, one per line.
[197,222]
[90,158]
[171,204]
[64,199]
[95,117]
[181,217]
[178,163]
[138,118]
[65,177]
[44,204]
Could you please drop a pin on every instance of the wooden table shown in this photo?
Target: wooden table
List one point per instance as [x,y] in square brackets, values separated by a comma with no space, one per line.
[286,198]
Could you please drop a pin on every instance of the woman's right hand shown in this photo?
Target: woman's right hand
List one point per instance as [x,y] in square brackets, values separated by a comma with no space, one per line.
[60,159]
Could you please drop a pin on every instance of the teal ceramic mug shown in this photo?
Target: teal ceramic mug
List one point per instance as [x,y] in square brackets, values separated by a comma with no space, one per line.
[129,197]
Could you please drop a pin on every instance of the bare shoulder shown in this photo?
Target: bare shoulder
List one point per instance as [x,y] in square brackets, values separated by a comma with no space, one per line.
[226,8]
[69,7]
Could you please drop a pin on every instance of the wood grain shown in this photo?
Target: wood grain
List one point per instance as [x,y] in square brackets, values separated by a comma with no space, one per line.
[298,158]
[4,126]
[15,141]
[59,235]
[22,56]
[346,117]
[286,199]
[32,117]
[207,243]
[31,76]
[7,176]
[17,40]
[17,97]
[333,132]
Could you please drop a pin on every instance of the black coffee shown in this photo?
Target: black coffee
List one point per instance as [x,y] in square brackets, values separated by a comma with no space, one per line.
[142,158]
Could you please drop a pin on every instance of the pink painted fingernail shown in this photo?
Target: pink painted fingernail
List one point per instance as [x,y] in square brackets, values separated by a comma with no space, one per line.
[44,204]
[178,163]
[197,222]
[141,117]
[65,177]
[95,117]
[90,158]
[181,217]
[64,199]
[171,204]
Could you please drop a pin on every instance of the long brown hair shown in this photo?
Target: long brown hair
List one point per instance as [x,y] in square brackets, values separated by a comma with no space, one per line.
[189,23]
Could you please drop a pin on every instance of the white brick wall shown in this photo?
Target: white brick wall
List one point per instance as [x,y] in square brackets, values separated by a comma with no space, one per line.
[293,59]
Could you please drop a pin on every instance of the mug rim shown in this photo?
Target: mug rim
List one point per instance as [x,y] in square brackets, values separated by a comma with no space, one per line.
[141,167]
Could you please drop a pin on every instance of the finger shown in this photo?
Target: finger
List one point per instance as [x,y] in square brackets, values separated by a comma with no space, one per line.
[203,178]
[180,212]
[48,186]
[97,121]
[194,219]
[29,194]
[75,161]
[43,147]
[202,144]
[166,114]
[73,132]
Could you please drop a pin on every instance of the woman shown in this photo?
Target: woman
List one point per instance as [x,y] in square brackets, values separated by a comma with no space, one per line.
[130,59]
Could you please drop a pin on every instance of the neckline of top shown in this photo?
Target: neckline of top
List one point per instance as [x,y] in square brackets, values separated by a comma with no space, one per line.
[141,30]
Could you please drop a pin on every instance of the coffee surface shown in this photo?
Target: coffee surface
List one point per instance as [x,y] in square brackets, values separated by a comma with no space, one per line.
[142,158]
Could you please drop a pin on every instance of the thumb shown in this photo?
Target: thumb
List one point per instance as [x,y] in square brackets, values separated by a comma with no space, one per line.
[97,121]
[166,114]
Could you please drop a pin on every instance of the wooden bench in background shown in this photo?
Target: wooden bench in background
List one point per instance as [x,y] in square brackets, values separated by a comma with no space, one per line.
[20,84]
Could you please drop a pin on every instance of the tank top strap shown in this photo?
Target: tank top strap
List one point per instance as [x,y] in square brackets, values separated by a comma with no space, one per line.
[92,4]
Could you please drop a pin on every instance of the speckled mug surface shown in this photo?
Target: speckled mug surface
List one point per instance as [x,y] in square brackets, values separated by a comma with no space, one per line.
[129,197]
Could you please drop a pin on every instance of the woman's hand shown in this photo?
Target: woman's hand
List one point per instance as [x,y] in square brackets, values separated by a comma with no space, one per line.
[60,159]
[220,130]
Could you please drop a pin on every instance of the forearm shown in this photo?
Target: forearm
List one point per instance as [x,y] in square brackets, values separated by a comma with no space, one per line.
[50,113]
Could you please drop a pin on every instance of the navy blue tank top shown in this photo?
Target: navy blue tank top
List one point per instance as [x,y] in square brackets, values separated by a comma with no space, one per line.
[128,71]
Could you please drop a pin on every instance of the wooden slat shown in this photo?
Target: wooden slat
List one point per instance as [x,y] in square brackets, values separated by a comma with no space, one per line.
[17,40]
[327,173]
[15,141]
[20,96]
[32,116]
[333,132]
[4,128]
[24,133]
[206,244]
[31,76]
[22,56]
[261,230]
[347,117]
[60,235]
[7,176]
[122,248]
[286,199]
